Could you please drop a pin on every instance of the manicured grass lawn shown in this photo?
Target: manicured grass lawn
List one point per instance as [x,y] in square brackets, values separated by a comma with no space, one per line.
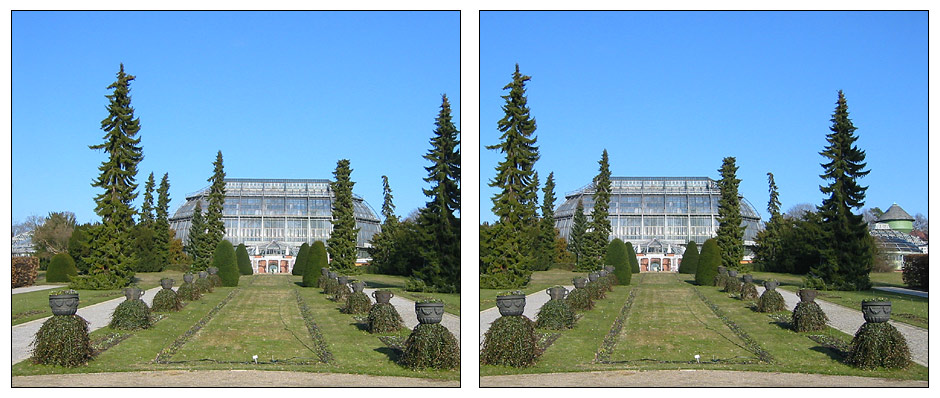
[906,308]
[792,352]
[396,284]
[540,281]
[35,305]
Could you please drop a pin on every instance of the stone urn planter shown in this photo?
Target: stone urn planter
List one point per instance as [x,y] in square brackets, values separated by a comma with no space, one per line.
[602,273]
[213,270]
[579,283]
[510,305]
[203,274]
[732,273]
[382,296]
[609,268]
[133,293]
[342,279]
[557,292]
[876,311]
[324,272]
[722,270]
[807,295]
[593,276]
[63,304]
[188,278]
[771,285]
[331,274]
[358,286]
[166,283]
[429,312]
[748,278]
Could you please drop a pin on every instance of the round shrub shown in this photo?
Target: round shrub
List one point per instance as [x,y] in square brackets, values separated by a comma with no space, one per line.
[357,303]
[748,292]
[879,344]
[62,340]
[203,285]
[431,346]
[580,300]
[167,300]
[808,317]
[131,315]
[771,301]
[510,341]
[60,268]
[188,292]
[384,318]
[555,315]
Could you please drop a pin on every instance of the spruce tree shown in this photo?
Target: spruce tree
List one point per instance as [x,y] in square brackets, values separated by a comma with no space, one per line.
[708,262]
[215,228]
[342,242]
[598,238]
[545,252]
[730,235]
[161,225]
[768,240]
[300,262]
[197,247]
[146,208]
[576,238]
[438,227]
[384,242]
[689,259]
[848,255]
[243,260]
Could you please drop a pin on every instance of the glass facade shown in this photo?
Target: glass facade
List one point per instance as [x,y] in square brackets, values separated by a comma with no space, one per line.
[258,212]
[669,210]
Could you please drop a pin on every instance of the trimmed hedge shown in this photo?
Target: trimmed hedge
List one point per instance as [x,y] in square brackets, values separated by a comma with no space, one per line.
[60,268]
[631,257]
[357,303]
[300,262]
[708,262]
[431,346]
[224,259]
[243,261]
[555,315]
[690,259]
[808,317]
[24,271]
[131,315]
[914,271]
[384,318]
[771,301]
[316,260]
[166,300]
[879,344]
[62,340]
[510,341]
[580,300]
[617,257]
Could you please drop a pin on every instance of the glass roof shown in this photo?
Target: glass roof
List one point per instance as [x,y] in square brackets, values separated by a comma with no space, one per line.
[896,241]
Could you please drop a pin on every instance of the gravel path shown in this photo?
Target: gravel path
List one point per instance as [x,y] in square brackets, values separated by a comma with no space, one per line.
[849,320]
[901,290]
[34,288]
[406,308]
[224,378]
[688,378]
[533,303]
[97,315]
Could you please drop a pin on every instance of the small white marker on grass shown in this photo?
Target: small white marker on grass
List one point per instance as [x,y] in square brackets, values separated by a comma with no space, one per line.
[255,358]
[697,358]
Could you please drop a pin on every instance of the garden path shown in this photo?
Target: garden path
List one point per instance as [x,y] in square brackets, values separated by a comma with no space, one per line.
[406,308]
[27,289]
[849,320]
[901,290]
[533,303]
[97,315]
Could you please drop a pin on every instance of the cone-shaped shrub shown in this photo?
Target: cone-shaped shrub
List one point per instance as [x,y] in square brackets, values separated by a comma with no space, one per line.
[617,257]
[808,317]
[771,301]
[131,315]
[224,259]
[203,285]
[215,281]
[62,340]
[329,286]
[631,257]
[555,315]
[510,341]
[690,259]
[167,300]
[340,292]
[708,262]
[748,292]
[732,285]
[357,303]
[316,259]
[879,344]
[431,345]
[188,292]
[580,300]
[300,262]
[244,262]
[60,268]
[384,318]
[596,290]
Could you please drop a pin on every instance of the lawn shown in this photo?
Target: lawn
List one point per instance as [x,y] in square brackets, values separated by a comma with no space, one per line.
[35,305]
[668,315]
[539,281]
[396,284]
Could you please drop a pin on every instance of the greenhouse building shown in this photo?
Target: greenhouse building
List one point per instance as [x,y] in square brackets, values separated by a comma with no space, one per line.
[659,216]
[274,217]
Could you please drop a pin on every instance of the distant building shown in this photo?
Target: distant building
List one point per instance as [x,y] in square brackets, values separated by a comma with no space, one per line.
[23,244]
[892,233]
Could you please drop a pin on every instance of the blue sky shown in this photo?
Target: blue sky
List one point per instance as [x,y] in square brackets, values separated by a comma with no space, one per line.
[282,95]
[673,93]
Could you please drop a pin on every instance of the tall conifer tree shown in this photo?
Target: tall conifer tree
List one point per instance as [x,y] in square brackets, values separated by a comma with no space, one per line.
[342,242]
[768,240]
[146,208]
[597,240]
[545,252]
[215,228]
[384,243]
[579,225]
[198,248]
[161,231]
[730,235]
[849,255]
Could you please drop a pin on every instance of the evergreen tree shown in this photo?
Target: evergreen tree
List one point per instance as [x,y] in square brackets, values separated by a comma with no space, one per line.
[61,267]
[599,236]
[708,262]
[768,240]
[342,242]
[146,209]
[730,235]
[80,245]
[161,228]
[316,260]
[849,249]
[300,262]
[618,257]
[690,259]
[243,260]
[384,243]
[388,206]
[215,228]
[579,226]
[223,258]
[145,250]
[197,247]
[545,253]
[111,249]
[439,228]
[631,256]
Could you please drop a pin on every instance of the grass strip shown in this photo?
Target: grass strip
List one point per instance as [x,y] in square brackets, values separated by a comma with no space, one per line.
[607,346]
[164,356]
[322,351]
[750,344]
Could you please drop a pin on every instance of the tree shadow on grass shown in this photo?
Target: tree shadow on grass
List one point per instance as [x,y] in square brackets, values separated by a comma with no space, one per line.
[380,285]
[393,354]
[363,326]
[833,353]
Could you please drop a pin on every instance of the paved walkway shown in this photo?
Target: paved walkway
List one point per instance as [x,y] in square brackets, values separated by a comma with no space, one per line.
[849,320]
[224,378]
[533,303]
[97,315]
[689,378]
[406,308]
[901,290]
[27,289]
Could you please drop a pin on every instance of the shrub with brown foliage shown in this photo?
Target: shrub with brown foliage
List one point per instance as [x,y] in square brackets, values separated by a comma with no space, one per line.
[24,271]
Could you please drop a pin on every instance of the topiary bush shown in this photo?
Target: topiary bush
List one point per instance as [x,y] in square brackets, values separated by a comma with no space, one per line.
[167,300]
[340,292]
[214,282]
[580,300]
[555,315]
[689,259]
[617,257]
[243,261]
[384,318]
[913,272]
[316,260]
[188,292]
[131,315]
[300,262]
[748,292]
[708,261]
[224,259]
[357,303]
[771,301]
[203,285]
[595,290]
[329,285]
[62,340]
[431,346]
[631,257]
[60,268]
[879,344]
[808,317]
[732,285]
[510,341]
